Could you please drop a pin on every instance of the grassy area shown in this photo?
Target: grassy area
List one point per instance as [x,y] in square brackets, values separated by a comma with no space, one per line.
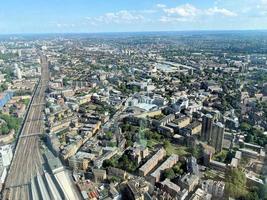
[171,148]
[174,149]
[151,143]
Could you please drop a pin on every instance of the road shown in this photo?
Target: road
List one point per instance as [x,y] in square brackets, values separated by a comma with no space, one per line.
[27,161]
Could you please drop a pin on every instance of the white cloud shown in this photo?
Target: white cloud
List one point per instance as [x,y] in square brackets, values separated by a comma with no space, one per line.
[221,11]
[161,5]
[262,6]
[186,10]
[63,25]
[120,17]
[167,19]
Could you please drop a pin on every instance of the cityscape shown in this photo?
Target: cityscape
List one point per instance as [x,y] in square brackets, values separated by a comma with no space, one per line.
[134,115]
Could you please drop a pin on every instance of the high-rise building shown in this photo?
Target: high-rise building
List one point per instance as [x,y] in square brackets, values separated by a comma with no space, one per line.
[217,136]
[206,129]
[18,72]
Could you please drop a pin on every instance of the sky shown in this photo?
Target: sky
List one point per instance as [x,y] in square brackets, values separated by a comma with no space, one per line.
[86,16]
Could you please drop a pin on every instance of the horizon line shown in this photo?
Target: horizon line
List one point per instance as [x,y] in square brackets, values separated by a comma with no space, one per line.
[118,32]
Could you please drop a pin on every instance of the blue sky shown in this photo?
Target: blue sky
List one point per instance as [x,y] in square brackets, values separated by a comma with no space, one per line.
[58,16]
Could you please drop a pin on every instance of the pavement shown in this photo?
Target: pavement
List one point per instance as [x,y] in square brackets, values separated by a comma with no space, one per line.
[27,160]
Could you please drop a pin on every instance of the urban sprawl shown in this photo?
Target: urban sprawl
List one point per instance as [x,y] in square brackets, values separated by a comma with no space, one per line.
[135,116]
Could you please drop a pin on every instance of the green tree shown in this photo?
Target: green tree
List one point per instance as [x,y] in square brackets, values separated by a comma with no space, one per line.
[235,183]
[166,144]
[245,126]
[109,163]
[263,191]
[4,129]
[108,135]
[169,173]
[177,168]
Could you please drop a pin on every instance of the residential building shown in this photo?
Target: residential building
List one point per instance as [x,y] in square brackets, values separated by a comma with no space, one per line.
[215,188]
[189,181]
[152,162]
[201,194]
[167,164]
[99,175]
[207,121]
[217,136]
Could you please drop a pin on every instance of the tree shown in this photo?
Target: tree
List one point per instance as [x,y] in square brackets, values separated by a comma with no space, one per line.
[169,173]
[252,196]
[4,129]
[108,135]
[249,138]
[245,126]
[166,144]
[177,168]
[262,192]
[65,81]
[235,183]
[3,87]
[196,151]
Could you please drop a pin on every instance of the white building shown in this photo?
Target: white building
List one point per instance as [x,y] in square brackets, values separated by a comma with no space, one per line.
[216,188]
[3,174]
[18,72]
[6,155]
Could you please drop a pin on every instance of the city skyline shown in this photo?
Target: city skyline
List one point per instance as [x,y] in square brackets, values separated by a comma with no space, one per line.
[130,16]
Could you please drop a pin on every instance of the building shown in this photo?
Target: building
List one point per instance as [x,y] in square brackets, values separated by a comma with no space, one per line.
[136,188]
[152,162]
[182,194]
[133,192]
[169,163]
[2,78]
[213,164]
[112,171]
[217,136]
[138,152]
[17,72]
[57,180]
[207,121]
[164,121]
[80,161]
[99,175]
[192,129]
[6,155]
[192,165]
[182,121]
[170,187]
[201,194]
[215,188]
[166,131]
[189,181]
[5,97]
[3,174]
